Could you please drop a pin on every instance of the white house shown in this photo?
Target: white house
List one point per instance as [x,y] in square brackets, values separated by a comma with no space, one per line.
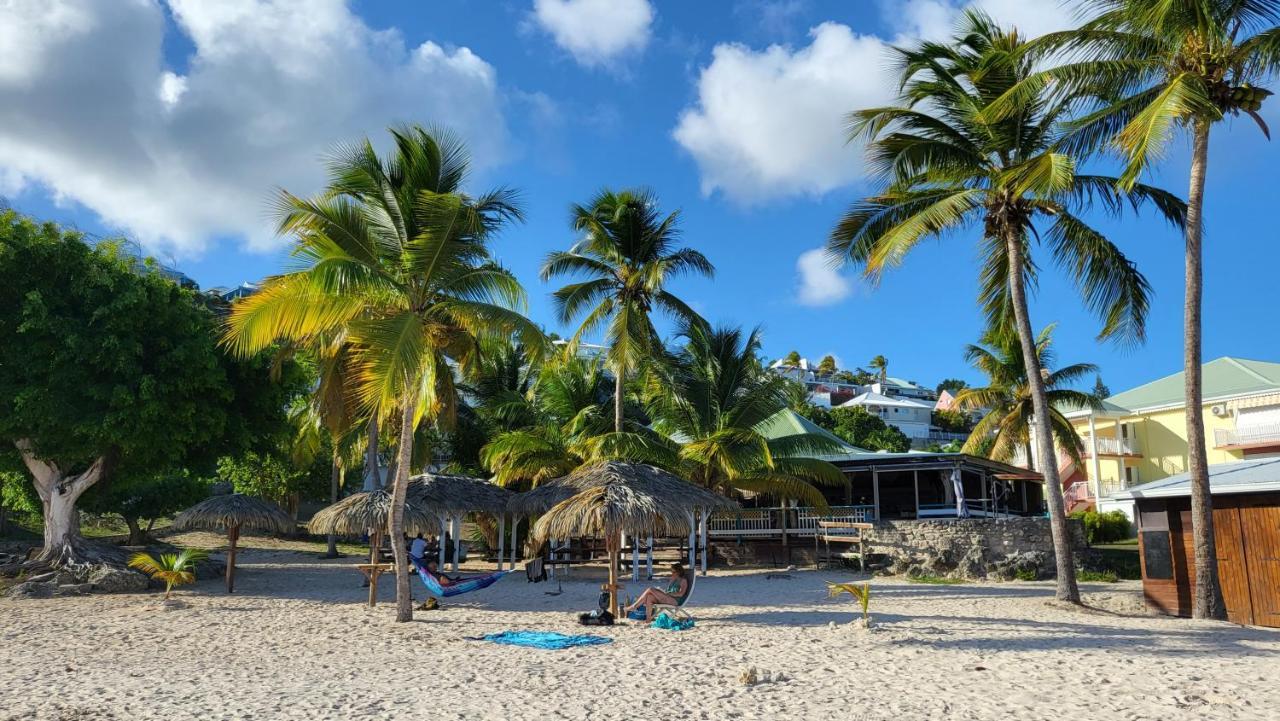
[909,415]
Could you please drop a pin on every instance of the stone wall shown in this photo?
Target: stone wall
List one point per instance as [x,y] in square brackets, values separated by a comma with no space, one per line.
[972,548]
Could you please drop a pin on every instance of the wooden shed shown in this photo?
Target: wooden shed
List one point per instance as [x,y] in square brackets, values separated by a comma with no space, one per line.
[1246,520]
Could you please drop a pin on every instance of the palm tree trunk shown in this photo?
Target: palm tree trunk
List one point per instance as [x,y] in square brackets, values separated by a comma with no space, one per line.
[1208,601]
[617,400]
[372,482]
[399,490]
[1067,589]
[335,480]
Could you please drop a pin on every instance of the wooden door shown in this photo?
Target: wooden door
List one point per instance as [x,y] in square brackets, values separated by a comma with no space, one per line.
[1233,571]
[1260,526]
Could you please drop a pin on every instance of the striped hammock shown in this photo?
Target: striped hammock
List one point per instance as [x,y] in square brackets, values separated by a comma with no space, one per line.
[474,583]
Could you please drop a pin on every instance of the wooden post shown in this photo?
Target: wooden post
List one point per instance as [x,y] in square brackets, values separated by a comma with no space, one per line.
[705,547]
[635,558]
[875,490]
[440,541]
[782,521]
[375,548]
[611,545]
[649,557]
[502,538]
[457,541]
[915,481]
[693,541]
[233,535]
[515,535]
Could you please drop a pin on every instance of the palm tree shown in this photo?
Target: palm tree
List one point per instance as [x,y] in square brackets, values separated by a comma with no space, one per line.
[628,255]
[948,167]
[827,366]
[1006,427]
[712,404]
[1157,67]
[395,253]
[174,569]
[880,365]
[556,422]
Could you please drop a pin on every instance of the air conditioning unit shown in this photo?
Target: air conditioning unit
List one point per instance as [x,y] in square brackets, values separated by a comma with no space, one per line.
[1219,409]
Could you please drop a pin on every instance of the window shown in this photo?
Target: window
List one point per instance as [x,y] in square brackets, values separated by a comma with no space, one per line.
[1130,476]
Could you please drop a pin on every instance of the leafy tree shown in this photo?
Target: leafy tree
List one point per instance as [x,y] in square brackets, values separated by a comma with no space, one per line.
[145,497]
[106,369]
[950,166]
[1157,67]
[951,421]
[628,255]
[867,430]
[827,366]
[1007,397]
[273,477]
[951,385]
[395,255]
[1100,389]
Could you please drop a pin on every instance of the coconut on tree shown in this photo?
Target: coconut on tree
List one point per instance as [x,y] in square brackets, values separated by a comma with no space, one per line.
[948,166]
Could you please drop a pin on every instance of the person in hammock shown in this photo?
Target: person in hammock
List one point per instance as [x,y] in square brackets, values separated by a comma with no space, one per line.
[677,587]
[432,567]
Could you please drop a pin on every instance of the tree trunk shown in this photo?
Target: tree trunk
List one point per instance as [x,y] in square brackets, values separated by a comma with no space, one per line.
[233,537]
[1067,589]
[617,399]
[1208,602]
[136,536]
[372,481]
[59,491]
[399,490]
[335,481]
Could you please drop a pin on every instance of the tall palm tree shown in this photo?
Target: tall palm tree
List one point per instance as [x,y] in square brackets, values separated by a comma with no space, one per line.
[1157,66]
[1006,427]
[628,255]
[880,365]
[395,253]
[948,167]
[712,404]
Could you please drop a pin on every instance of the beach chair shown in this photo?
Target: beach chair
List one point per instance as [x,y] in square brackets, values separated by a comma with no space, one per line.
[676,610]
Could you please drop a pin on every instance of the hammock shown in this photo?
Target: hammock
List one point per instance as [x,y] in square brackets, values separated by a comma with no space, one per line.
[474,583]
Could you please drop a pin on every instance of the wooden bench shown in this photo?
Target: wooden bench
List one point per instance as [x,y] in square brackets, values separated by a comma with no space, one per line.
[828,532]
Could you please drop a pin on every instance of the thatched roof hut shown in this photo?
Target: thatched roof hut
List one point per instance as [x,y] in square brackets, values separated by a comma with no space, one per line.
[449,495]
[232,513]
[612,497]
[370,511]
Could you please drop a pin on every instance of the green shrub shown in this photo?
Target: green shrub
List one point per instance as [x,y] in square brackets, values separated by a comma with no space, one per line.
[1025,574]
[1108,527]
[935,580]
[1097,576]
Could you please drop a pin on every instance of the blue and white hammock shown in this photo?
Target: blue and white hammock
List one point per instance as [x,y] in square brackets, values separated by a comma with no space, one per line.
[473,583]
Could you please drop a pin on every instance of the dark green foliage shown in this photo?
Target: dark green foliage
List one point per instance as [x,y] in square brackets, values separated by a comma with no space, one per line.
[145,497]
[1088,576]
[952,385]
[951,421]
[1123,562]
[1100,389]
[1108,527]
[866,430]
[274,478]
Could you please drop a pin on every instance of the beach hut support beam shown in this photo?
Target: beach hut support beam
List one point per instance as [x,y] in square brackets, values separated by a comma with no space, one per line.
[375,547]
[875,490]
[648,562]
[635,558]
[233,536]
[502,538]
[693,541]
[515,526]
[457,541]
[702,525]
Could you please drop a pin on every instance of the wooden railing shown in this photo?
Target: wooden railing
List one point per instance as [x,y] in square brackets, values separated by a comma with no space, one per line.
[768,522]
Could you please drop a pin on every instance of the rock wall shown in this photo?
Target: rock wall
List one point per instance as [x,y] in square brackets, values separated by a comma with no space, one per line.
[1005,548]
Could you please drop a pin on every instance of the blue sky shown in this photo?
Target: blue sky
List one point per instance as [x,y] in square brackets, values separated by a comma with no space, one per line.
[172,123]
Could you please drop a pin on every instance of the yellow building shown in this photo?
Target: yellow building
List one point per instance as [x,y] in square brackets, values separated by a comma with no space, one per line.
[1140,435]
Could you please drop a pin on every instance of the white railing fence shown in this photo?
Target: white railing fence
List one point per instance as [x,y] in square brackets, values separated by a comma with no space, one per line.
[1248,434]
[1111,446]
[765,522]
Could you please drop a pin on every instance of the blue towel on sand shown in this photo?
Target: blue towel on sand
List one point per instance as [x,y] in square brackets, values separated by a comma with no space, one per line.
[545,639]
[665,621]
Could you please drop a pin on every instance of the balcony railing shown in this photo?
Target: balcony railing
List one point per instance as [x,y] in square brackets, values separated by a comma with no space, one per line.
[1111,446]
[766,522]
[1246,436]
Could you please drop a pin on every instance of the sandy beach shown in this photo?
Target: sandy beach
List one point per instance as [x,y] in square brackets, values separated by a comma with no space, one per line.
[295,642]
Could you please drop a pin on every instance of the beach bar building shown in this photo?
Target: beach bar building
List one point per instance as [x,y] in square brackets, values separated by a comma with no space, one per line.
[1246,524]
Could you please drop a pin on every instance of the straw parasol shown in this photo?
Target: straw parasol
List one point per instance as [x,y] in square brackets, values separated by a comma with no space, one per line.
[613,497]
[232,513]
[448,495]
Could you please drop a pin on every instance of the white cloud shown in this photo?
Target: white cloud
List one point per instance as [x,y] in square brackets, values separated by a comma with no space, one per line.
[596,32]
[771,123]
[936,19]
[819,283]
[89,110]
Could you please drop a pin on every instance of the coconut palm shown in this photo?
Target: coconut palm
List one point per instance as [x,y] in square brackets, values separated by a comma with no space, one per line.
[1159,67]
[174,569]
[628,255]
[1006,427]
[948,167]
[880,365]
[395,253]
[564,411]
[712,404]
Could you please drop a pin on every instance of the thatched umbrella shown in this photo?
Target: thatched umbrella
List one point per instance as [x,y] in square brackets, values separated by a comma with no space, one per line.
[233,512]
[454,496]
[370,512]
[611,498]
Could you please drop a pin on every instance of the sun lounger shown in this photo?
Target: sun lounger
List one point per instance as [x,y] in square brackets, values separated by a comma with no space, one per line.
[676,610]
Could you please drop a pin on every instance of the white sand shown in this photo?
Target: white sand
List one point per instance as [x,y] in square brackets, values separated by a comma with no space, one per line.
[295,641]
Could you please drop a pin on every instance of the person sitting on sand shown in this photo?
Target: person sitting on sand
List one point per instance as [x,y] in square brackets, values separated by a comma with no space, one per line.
[677,587]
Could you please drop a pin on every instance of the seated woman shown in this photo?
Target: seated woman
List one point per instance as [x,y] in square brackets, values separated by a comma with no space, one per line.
[677,587]
[432,567]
